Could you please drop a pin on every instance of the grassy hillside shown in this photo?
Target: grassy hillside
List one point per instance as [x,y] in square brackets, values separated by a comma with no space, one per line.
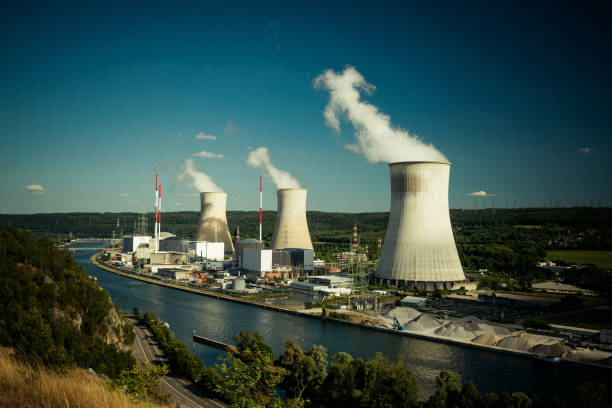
[22,386]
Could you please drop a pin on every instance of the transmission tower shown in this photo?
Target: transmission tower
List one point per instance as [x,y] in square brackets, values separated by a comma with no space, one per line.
[141,224]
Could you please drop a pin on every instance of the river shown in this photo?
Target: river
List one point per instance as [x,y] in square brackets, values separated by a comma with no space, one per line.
[219,320]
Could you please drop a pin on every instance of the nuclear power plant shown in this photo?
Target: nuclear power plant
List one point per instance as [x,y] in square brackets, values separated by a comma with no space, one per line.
[213,221]
[291,228]
[419,249]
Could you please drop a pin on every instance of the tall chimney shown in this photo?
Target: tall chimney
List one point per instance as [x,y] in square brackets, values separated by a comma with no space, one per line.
[419,248]
[213,221]
[291,229]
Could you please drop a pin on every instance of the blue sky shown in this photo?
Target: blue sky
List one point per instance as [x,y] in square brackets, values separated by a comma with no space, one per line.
[97,98]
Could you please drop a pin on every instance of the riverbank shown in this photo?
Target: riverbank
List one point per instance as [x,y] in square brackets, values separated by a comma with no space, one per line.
[313,314]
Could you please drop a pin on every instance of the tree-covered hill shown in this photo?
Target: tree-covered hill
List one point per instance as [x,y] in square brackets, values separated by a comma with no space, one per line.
[507,240]
[52,312]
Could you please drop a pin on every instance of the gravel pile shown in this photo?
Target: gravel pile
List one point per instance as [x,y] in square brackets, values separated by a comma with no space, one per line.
[423,323]
[525,341]
[403,314]
[590,356]
[554,350]
[486,339]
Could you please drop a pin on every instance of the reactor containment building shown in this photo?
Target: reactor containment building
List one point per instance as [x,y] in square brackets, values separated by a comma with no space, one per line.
[419,249]
[213,220]
[291,228]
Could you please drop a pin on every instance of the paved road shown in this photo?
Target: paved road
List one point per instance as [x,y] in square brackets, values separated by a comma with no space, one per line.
[182,392]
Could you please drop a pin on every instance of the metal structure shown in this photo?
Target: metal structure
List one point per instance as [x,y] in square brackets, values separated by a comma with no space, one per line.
[157,227]
[291,228]
[355,244]
[419,249]
[260,203]
[141,224]
[213,221]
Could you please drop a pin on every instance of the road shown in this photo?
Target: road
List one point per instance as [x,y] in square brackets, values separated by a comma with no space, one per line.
[182,392]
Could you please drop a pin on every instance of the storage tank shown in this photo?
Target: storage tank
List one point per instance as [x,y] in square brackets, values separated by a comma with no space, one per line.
[291,228]
[419,248]
[213,221]
[239,284]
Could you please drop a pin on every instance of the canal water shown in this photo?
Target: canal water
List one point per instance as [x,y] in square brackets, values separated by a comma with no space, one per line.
[219,320]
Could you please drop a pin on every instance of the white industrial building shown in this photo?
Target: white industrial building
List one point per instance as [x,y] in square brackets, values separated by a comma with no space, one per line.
[419,249]
[201,250]
[332,281]
[257,260]
[131,243]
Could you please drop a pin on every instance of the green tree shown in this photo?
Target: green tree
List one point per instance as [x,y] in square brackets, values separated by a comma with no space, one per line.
[448,390]
[249,374]
[305,370]
[470,397]
[591,395]
[142,383]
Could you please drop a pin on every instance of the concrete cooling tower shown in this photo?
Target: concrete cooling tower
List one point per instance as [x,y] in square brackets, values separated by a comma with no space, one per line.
[419,248]
[213,222]
[291,229]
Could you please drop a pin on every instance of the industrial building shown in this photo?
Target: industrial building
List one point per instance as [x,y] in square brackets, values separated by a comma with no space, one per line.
[291,228]
[290,262]
[169,258]
[213,221]
[247,243]
[174,273]
[174,244]
[419,249]
[132,243]
[201,250]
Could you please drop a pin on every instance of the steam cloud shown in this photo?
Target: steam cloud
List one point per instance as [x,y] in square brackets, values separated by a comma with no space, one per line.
[377,139]
[200,181]
[260,157]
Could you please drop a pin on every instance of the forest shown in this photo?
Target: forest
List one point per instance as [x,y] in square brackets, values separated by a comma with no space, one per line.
[509,241]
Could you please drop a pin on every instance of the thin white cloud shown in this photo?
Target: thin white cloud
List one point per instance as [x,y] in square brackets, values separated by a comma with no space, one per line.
[209,155]
[178,204]
[204,136]
[189,195]
[36,189]
[481,193]
[124,195]
[230,129]
[585,150]
[133,201]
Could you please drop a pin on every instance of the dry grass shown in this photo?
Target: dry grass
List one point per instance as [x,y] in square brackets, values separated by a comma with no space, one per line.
[25,386]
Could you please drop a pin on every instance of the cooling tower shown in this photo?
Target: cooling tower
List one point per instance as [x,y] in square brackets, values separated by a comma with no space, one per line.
[291,229]
[213,222]
[419,248]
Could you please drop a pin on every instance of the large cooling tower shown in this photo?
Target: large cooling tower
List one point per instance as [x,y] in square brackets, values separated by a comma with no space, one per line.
[419,248]
[213,222]
[291,229]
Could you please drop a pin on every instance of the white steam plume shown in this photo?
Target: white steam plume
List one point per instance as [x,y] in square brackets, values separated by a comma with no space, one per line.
[260,157]
[377,139]
[200,181]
